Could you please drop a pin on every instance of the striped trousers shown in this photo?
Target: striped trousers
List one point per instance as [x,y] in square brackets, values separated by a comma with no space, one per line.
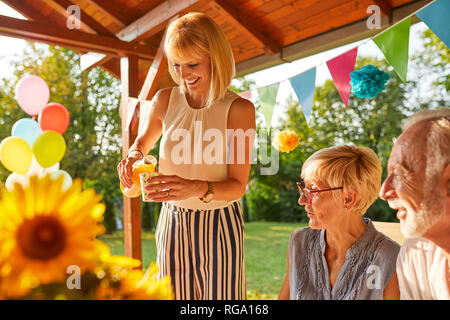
[203,252]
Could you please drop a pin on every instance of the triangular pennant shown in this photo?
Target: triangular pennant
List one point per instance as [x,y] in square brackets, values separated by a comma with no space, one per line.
[246,94]
[267,98]
[304,85]
[394,43]
[435,17]
[340,69]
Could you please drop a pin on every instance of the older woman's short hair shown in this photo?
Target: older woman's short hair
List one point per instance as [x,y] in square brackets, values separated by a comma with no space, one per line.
[193,36]
[347,166]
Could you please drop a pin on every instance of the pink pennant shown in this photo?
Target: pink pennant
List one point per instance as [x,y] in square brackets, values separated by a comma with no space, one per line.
[340,69]
[246,94]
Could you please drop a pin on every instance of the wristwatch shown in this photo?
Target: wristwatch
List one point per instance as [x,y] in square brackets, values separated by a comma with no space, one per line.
[209,194]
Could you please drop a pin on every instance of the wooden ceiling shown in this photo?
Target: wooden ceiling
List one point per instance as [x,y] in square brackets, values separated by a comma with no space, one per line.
[263,33]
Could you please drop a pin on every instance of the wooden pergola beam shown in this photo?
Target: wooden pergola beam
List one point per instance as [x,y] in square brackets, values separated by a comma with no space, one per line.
[27,11]
[131,206]
[154,19]
[255,34]
[86,20]
[105,12]
[62,11]
[35,31]
[384,5]
[152,22]
[331,39]
[156,69]
[130,124]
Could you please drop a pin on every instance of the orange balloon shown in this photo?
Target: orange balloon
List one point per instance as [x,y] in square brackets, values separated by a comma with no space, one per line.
[54,117]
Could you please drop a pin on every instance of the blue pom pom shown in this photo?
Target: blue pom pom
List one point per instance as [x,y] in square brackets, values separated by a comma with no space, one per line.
[368,81]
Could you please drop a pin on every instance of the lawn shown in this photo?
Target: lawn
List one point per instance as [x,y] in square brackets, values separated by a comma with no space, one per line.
[265,254]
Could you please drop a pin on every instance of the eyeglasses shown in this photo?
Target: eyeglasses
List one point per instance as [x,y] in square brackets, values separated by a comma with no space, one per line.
[308,193]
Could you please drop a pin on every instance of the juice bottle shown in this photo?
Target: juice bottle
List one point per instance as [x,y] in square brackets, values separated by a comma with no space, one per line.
[147,164]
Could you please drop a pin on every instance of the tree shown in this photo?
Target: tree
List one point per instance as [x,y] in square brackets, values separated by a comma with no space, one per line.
[93,138]
[373,123]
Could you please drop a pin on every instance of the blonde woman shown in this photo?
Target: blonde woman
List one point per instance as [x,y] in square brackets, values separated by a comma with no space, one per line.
[340,256]
[199,235]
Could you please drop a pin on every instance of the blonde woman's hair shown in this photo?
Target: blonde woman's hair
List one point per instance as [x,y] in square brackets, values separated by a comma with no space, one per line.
[193,36]
[347,166]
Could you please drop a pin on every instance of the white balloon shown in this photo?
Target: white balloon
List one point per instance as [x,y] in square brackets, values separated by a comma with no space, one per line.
[53,168]
[67,178]
[16,178]
[35,168]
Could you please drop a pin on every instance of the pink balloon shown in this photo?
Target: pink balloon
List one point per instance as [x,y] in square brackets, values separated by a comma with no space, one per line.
[32,94]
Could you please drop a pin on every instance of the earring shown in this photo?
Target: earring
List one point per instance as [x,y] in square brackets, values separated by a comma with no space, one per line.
[345,208]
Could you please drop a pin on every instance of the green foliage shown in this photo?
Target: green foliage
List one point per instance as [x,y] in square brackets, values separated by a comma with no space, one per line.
[373,123]
[94,135]
[265,245]
[93,138]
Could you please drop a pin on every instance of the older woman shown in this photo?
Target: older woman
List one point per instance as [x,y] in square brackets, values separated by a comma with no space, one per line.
[340,255]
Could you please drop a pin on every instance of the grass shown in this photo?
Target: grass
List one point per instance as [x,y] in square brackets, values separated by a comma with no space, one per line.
[265,255]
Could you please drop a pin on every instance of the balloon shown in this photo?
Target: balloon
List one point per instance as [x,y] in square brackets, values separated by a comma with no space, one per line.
[16,178]
[67,178]
[54,117]
[27,129]
[53,168]
[15,154]
[32,94]
[35,168]
[49,148]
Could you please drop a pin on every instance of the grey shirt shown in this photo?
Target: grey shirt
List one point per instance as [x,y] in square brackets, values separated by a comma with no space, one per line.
[368,267]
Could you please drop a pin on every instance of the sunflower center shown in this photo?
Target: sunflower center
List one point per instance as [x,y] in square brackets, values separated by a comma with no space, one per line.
[41,238]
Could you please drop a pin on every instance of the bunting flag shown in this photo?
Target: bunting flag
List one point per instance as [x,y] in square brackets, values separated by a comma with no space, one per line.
[340,69]
[394,43]
[304,85]
[267,98]
[435,17]
[246,94]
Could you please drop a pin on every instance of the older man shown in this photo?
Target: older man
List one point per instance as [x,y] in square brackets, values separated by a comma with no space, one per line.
[418,187]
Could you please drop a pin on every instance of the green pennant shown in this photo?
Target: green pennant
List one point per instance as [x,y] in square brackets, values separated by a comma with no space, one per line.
[267,98]
[394,44]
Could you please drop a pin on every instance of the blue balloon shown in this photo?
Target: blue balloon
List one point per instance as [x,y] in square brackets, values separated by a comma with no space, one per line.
[27,129]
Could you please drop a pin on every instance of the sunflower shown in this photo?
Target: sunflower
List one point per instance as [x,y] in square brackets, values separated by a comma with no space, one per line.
[136,285]
[286,141]
[44,230]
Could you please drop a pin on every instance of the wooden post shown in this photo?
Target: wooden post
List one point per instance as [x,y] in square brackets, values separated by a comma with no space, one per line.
[131,206]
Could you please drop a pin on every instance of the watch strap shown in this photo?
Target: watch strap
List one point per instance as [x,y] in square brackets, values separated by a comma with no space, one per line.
[210,191]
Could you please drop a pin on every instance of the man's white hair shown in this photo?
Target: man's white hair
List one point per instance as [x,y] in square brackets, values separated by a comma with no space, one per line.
[436,128]
[437,140]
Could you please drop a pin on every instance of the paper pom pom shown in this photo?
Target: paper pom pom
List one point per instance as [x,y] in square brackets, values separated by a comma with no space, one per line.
[286,141]
[368,81]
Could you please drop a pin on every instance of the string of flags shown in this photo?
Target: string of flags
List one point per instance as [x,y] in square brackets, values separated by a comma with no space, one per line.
[393,43]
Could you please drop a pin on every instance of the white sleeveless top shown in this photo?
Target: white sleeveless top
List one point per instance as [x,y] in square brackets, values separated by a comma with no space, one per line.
[194,144]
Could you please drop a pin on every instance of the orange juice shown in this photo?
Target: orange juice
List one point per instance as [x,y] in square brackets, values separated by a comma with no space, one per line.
[147,164]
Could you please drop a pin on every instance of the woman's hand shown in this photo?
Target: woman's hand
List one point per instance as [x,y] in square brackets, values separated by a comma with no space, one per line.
[175,188]
[125,170]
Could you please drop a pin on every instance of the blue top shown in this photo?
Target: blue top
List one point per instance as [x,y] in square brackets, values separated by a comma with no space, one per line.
[368,267]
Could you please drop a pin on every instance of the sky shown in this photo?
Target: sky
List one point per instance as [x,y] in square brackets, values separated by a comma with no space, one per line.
[10,46]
